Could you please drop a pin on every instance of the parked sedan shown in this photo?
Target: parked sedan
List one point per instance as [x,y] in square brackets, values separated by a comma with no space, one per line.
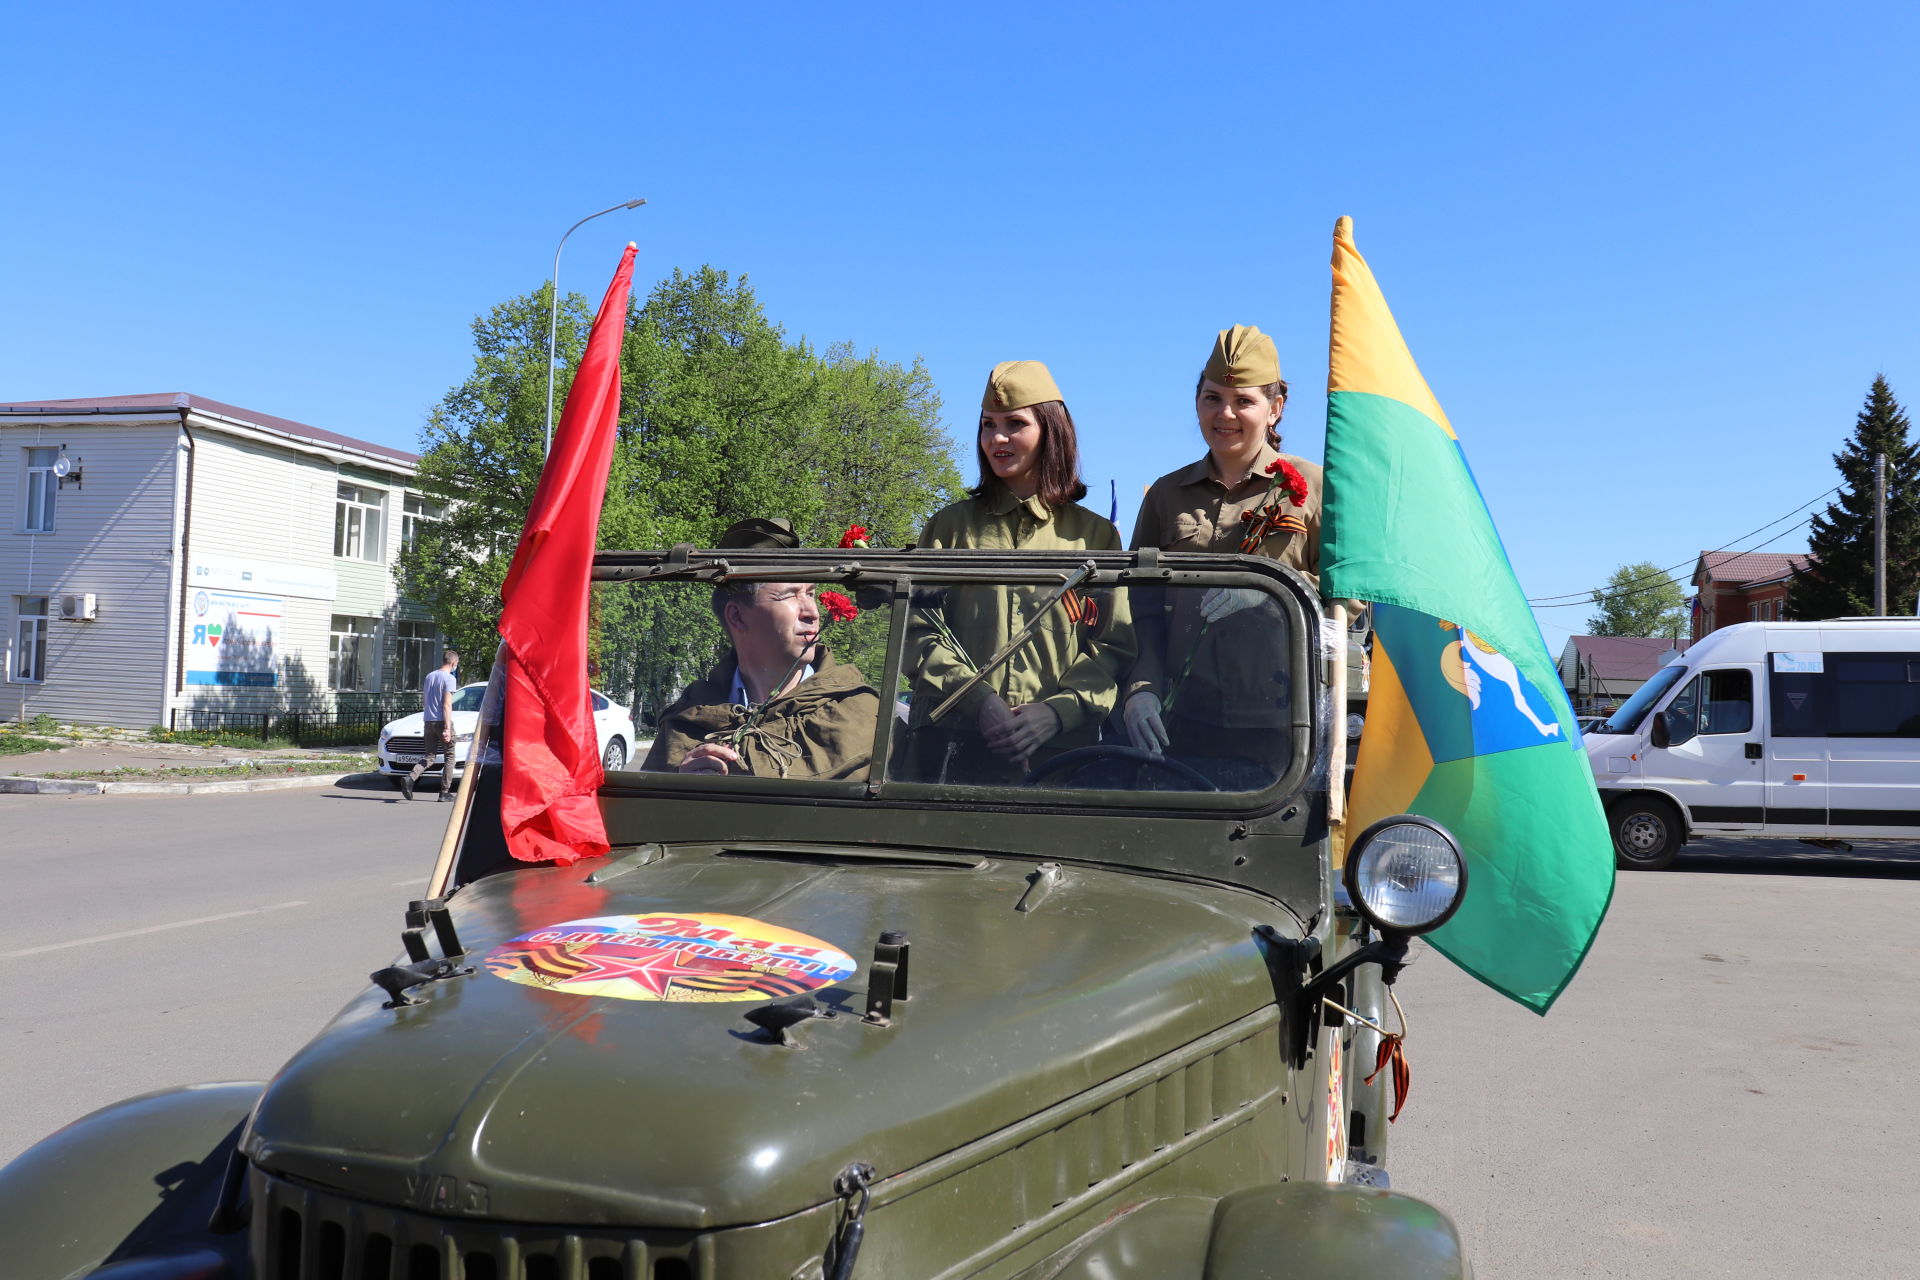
[403,742]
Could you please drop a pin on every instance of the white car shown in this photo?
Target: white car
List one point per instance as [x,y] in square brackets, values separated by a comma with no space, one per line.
[403,741]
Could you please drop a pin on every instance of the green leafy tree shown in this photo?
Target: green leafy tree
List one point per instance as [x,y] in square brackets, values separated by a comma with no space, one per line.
[722,417]
[1839,581]
[1639,600]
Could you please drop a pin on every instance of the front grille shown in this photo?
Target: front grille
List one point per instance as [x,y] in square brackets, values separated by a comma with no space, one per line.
[301,1233]
[408,746]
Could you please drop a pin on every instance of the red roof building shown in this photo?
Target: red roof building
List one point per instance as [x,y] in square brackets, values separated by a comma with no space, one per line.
[1741,586]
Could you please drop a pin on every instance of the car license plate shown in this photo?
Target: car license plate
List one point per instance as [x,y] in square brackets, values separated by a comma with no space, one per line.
[398,758]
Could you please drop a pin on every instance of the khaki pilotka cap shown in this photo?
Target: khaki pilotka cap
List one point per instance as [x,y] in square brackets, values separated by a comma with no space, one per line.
[1018,384]
[1243,357]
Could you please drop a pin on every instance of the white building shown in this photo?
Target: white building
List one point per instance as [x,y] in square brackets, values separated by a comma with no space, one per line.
[162,555]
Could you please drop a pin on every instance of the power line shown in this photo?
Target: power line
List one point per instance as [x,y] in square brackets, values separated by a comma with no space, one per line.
[1586,597]
[1627,593]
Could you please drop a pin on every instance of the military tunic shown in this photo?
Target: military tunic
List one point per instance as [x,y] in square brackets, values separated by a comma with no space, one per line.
[1071,665]
[1229,681]
[822,728]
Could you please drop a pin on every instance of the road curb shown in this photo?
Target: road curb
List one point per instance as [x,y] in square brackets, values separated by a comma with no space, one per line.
[18,785]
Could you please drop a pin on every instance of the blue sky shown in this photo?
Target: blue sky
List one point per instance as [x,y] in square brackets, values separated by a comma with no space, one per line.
[1648,256]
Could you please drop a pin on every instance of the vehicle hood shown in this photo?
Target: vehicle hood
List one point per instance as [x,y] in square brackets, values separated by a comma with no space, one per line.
[416,724]
[594,1110]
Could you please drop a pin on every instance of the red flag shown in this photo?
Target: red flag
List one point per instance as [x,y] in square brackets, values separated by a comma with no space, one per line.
[548,805]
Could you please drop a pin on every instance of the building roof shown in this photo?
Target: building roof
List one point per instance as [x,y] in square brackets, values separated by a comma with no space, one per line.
[1743,567]
[1625,657]
[167,401]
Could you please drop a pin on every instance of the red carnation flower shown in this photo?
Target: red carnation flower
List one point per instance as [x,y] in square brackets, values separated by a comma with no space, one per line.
[838,607]
[855,536]
[1289,478]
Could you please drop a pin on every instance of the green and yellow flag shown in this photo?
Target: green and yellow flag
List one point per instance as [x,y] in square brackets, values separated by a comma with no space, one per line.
[1466,721]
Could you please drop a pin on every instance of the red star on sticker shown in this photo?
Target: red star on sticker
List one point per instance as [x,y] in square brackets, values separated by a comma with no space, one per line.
[652,970]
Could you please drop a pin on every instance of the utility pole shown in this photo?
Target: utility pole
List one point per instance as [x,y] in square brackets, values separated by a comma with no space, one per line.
[1879,535]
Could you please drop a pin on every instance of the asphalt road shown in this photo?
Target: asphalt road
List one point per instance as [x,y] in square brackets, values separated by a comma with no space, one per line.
[157,940]
[1726,1089]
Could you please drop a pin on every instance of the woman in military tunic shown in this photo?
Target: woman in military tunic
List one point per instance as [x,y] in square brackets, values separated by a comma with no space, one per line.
[1194,688]
[1054,691]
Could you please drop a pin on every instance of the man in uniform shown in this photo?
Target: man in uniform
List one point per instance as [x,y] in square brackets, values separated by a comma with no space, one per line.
[777,704]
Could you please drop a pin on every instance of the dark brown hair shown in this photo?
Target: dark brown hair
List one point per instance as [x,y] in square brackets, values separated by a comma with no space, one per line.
[1273,390]
[1059,460]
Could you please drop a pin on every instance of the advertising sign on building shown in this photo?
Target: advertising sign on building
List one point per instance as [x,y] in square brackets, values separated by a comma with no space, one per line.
[229,574]
[232,638]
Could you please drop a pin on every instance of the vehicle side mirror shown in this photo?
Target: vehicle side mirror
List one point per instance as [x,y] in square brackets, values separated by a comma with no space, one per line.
[1658,735]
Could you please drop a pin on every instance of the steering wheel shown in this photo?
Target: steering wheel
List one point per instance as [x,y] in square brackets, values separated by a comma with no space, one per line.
[1080,756]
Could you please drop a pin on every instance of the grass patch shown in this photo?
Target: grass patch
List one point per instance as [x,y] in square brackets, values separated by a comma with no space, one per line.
[271,770]
[221,738]
[19,744]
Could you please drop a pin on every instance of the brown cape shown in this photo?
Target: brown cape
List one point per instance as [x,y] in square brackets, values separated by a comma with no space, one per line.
[822,729]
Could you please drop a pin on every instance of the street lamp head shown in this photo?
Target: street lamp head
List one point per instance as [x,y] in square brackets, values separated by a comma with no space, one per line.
[633,204]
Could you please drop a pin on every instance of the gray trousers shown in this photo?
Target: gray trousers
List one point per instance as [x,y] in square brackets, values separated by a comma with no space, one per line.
[437,744]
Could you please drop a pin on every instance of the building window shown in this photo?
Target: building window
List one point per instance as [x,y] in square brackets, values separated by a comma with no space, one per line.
[418,512]
[351,664]
[419,652]
[37,511]
[358,518]
[30,639]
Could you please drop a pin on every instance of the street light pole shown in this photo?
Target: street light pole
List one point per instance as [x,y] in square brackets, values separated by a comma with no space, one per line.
[553,309]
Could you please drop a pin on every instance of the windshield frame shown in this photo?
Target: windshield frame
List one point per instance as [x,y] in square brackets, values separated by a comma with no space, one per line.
[900,572]
[1635,708]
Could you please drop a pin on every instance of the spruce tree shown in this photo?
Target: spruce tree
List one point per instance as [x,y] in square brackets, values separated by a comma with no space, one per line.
[1839,580]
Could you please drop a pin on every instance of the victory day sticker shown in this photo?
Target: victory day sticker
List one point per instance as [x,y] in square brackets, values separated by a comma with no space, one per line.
[676,958]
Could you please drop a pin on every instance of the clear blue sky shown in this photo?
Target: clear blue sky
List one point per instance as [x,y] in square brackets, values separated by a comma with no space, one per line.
[1649,256]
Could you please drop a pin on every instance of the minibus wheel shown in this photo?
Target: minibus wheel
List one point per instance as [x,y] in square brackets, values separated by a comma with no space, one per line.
[1646,833]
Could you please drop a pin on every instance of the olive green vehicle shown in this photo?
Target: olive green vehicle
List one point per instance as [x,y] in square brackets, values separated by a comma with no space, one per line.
[948,1016]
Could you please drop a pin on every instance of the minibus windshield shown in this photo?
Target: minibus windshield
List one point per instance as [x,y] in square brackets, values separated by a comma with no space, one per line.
[1628,717]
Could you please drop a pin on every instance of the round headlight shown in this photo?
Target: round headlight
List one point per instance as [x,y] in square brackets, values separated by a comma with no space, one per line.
[1406,875]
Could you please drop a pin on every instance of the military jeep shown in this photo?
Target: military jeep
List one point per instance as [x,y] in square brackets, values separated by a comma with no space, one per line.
[1092,1013]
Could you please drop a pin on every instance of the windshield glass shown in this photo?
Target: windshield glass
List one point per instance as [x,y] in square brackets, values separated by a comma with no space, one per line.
[995,685]
[1634,710]
[468,699]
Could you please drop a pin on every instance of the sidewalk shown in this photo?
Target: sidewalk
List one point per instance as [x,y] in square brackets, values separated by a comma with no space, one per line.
[24,774]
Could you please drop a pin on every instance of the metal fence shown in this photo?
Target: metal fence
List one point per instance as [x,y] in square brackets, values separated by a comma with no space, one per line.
[352,726]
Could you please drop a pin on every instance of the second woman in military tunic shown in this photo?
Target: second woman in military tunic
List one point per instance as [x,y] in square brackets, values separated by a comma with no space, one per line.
[1193,688]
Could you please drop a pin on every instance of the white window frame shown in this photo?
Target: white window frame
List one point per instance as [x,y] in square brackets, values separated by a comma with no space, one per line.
[38,482]
[428,646]
[414,512]
[360,523]
[363,635]
[27,658]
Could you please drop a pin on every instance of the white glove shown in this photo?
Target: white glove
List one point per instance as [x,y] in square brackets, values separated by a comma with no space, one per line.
[1144,726]
[1219,602]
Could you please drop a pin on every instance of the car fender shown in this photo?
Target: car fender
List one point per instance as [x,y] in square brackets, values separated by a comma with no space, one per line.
[1295,1230]
[143,1172]
[1298,1229]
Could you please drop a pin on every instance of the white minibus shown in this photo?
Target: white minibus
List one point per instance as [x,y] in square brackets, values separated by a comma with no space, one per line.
[1809,730]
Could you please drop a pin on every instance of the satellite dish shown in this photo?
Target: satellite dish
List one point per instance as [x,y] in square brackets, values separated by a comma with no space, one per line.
[62,464]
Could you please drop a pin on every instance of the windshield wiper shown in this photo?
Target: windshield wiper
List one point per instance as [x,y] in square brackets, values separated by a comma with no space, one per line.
[1020,637]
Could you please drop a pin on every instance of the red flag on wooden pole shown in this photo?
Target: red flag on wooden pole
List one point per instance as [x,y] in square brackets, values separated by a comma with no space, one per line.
[548,805]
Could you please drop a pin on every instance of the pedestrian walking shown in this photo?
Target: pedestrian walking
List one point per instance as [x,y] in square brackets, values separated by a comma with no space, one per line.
[436,708]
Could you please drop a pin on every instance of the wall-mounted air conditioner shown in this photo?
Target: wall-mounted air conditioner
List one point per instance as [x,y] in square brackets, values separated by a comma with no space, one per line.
[79,607]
